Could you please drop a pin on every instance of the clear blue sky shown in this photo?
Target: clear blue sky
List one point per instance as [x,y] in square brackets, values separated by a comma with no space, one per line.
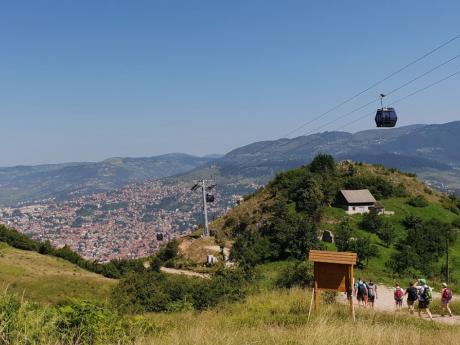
[87,80]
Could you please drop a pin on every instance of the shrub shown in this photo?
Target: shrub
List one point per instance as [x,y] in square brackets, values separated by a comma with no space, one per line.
[456,223]
[322,163]
[78,322]
[300,273]
[156,291]
[378,186]
[418,201]
[372,222]
[387,233]
[421,249]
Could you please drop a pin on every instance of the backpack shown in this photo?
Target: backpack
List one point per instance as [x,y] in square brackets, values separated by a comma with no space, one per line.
[426,294]
[412,293]
[361,289]
[370,290]
[446,294]
[399,293]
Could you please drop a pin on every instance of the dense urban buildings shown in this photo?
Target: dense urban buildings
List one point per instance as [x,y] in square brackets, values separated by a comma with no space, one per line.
[120,224]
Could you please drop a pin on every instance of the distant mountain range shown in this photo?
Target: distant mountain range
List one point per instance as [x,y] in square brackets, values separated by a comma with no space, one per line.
[26,184]
[431,151]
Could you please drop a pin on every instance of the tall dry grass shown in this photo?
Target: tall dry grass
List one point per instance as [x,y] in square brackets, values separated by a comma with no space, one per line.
[280,317]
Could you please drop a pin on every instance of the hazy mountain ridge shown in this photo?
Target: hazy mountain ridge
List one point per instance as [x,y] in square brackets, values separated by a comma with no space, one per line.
[428,150]
[61,181]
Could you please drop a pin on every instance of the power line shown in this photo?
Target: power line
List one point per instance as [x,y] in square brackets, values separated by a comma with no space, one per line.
[271,143]
[370,114]
[373,85]
[388,93]
[405,97]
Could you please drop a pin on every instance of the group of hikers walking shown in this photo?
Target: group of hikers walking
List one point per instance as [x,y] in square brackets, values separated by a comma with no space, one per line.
[419,291]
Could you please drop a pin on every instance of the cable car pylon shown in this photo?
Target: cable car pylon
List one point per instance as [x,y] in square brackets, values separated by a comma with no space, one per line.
[207,197]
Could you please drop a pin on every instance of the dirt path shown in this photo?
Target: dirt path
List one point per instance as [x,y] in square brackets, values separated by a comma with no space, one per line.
[385,302]
[184,272]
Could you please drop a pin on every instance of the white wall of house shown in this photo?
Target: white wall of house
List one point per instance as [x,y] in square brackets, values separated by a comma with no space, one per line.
[357,209]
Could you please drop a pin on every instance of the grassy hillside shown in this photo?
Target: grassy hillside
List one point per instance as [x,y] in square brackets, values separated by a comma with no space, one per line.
[281,317]
[257,211]
[48,279]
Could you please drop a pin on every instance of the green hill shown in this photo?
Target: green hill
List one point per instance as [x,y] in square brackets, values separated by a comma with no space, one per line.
[48,279]
[284,219]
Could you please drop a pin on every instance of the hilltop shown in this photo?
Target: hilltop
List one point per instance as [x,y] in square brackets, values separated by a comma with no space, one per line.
[428,150]
[285,218]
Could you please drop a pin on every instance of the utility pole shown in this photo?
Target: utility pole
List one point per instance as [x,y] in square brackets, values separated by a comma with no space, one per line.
[205,209]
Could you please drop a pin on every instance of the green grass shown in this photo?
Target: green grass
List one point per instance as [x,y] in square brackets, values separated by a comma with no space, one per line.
[402,209]
[376,269]
[48,279]
[269,273]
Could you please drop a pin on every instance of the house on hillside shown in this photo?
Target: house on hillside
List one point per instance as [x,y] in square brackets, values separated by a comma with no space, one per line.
[358,202]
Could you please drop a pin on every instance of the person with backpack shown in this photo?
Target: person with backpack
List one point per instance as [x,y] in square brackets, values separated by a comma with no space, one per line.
[446,297]
[398,294]
[371,293]
[412,296]
[424,298]
[361,292]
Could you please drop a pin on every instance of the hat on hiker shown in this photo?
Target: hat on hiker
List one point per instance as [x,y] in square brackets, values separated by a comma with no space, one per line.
[444,285]
[422,281]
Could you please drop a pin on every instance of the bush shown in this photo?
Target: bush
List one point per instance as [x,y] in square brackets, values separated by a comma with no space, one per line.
[379,187]
[421,249]
[418,201]
[372,222]
[113,269]
[79,322]
[156,291]
[456,223]
[300,274]
[16,239]
[387,233]
[322,163]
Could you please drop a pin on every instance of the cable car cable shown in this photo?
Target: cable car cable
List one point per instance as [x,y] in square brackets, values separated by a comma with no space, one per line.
[387,94]
[270,143]
[373,85]
[367,114]
[403,98]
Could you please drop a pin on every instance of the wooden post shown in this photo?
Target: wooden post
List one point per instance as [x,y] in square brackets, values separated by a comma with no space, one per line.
[311,304]
[350,287]
[315,289]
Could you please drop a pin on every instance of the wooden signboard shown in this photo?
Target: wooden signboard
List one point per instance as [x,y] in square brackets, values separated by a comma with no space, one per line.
[333,271]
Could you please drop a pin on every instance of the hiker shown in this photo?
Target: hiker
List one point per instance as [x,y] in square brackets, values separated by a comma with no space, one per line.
[424,298]
[371,293]
[361,292]
[412,296]
[446,297]
[398,294]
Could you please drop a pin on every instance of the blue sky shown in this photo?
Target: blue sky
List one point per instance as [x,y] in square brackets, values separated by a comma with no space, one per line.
[87,80]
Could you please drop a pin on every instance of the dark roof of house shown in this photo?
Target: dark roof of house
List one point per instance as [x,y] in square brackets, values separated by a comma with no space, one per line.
[358,196]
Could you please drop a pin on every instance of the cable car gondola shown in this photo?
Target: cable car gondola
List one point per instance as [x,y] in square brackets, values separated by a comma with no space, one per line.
[385,117]
[160,237]
[209,197]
